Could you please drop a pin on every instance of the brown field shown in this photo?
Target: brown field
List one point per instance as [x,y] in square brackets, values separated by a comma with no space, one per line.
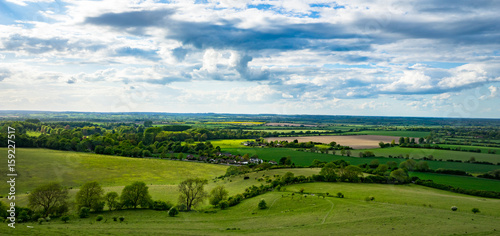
[354,141]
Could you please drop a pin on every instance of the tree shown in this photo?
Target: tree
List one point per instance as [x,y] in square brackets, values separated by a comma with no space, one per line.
[400,175]
[351,173]
[191,192]
[286,161]
[262,204]
[408,165]
[218,194]
[136,194]
[328,171]
[90,195]
[475,210]
[422,166]
[391,164]
[111,200]
[49,197]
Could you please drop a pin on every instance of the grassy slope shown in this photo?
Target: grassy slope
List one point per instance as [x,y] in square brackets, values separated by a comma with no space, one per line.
[397,210]
[38,166]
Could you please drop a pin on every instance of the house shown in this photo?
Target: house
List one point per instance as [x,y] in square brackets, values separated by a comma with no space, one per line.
[273,162]
[256,160]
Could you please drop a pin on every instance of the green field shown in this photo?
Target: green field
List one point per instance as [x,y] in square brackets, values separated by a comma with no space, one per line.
[72,169]
[396,210]
[437,154]
[305,158]
[461,181]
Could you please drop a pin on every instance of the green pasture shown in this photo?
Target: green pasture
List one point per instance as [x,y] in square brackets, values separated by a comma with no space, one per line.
[436,153]
[396,210]
[301,158]
[465,182]
[467,147]
[72,169]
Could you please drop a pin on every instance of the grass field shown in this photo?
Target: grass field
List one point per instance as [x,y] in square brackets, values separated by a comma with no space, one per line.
[72,169]
[396,210]
[461,181]
[437,154]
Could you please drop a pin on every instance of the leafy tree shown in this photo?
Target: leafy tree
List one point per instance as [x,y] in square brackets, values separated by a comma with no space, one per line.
[409,164]
[351,173]
[400,175]
[90,195]
[374,164]
[422,166]
[218,194]
[381,169]
[475,210]
[111,200]
[136,194]
[192,192]
[262,204]
[224,204]
[286,161]
[391,164]
[328,172]
[48,198]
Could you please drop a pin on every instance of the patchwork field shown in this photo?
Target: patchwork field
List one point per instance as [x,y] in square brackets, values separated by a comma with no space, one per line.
[354,141]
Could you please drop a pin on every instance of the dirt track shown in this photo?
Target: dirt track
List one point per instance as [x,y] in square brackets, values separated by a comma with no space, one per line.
[354,141]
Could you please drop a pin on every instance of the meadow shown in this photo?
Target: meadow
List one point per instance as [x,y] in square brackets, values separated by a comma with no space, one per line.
[395,210]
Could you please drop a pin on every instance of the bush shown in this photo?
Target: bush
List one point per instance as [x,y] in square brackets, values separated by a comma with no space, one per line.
[475,210]
[262,204]
[340,195]
[47,219]
[84,212]
[181,207]
[121,218]
[40,220]
[161,205]
[454,208]
[223,204]
[65,219]
[173,212]
[99,218]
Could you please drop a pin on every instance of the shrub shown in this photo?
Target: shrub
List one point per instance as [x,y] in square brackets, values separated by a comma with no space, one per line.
[223,204]
[47,219]
[84,212]
[161,205]
[115,218]
[173,212]
[99,218]
[340,195]
[454,208]
[475,210]
[181,207]
[65,219]
[40,220]
[262,204]
[121,218]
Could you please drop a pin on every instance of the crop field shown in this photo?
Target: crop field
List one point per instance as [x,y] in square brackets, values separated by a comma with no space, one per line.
[414,134]
[396,210]
[354,141]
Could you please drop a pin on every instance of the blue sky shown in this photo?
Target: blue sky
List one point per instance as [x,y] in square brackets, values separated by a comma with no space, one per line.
[376,58]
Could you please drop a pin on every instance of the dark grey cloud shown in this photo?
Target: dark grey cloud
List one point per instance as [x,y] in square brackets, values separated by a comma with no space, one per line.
[226,35]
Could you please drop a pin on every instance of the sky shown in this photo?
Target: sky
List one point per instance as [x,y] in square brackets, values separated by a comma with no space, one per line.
[421,58]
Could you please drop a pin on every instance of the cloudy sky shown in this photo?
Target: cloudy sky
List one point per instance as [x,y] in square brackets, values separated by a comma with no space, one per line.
[377,58]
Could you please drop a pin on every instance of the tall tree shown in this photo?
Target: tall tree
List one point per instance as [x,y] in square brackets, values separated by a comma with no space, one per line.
[328,171]
[136,194]
[191,192]
[48,198]
[90,195]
